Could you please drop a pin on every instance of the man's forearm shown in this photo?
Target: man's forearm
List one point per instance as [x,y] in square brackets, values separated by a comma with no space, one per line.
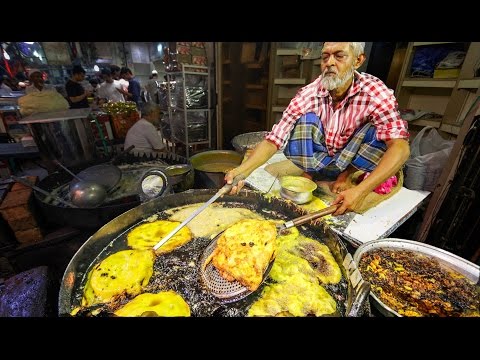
[398,151]
[262,152]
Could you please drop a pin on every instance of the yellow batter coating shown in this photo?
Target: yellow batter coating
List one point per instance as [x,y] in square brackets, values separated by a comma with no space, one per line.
[126,272]
[165,303]
[145,236]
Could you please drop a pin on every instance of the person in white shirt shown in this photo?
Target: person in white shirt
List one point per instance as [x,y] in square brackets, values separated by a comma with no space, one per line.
[144,134]
[37,83]
[116,76]
[109,89]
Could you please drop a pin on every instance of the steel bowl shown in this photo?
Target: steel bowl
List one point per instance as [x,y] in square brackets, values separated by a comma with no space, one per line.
[298,189]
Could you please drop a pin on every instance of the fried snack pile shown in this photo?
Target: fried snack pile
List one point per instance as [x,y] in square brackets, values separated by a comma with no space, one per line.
[145,236]
[123,273]
[244,250]
[301,266]
[165,303]
[416,285]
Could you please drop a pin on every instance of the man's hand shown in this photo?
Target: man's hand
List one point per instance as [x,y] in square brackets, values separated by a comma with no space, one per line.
[232,174]
[349,199]
[340,184]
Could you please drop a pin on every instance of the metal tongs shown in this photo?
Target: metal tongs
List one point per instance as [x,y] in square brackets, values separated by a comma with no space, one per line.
[223,190]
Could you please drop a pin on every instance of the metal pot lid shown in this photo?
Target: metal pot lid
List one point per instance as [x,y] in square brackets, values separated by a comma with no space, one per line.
[107,175]
[154,183]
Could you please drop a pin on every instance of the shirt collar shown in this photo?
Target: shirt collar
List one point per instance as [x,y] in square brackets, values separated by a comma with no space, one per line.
[354,88]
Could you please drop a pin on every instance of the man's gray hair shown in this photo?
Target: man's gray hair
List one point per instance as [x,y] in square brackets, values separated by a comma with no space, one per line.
[357,48]
[150,108]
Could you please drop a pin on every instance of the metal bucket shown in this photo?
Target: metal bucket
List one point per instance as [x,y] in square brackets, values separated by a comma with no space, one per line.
[211,167]
[70,141]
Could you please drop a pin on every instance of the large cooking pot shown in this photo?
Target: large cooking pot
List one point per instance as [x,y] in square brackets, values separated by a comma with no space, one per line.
[211,166]
[64,135]
[351,293]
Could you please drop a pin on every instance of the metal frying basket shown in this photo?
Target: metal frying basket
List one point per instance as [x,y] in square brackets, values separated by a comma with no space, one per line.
[226,291]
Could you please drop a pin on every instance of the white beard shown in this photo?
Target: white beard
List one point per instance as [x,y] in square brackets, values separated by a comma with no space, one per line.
[332,82]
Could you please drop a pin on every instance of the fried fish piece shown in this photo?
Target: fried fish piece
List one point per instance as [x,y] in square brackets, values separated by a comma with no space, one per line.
[123,273]
[320,259]
[244,251]
[145,236]
[297,296]
[165,303]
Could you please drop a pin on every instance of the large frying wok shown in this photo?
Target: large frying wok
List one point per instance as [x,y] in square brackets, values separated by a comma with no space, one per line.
[351,293]
[94,218]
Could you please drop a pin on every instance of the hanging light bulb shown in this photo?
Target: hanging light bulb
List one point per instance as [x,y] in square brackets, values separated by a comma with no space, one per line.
[96,68]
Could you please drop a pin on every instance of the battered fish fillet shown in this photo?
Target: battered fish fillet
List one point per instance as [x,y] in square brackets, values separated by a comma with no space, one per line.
[244,251]
[294,297]
[126,272]
[145,236]
[165,303]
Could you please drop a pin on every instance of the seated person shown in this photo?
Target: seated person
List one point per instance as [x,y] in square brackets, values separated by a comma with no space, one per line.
[144,134]
[37,83]
[342,122]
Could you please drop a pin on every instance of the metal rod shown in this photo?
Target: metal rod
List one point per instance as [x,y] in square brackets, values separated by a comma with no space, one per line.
[224,190]
[66,169]
[44,192]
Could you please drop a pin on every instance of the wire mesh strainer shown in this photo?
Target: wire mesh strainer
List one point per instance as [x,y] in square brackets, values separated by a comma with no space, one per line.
[226,291]
[230,291]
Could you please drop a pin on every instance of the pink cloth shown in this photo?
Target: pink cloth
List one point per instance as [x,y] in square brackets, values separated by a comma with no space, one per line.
[383,188]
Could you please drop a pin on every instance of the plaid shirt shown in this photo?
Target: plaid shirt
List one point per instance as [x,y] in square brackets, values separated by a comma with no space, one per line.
[368,99]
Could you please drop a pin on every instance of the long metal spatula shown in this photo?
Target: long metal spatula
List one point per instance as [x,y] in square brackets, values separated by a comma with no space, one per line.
[224,190]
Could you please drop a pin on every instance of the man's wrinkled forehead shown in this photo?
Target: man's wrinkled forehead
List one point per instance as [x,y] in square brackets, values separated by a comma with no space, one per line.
[331,47]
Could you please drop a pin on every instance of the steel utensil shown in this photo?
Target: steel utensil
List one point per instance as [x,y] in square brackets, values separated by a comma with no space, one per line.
[223,190]
[85,194]
[67,170]
[230,291]
[46,193]
[107,174]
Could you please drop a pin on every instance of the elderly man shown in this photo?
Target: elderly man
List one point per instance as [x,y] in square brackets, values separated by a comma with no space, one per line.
[342,122]
[144,134]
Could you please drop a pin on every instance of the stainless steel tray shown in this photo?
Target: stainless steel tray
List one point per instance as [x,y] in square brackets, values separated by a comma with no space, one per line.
[465,267]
